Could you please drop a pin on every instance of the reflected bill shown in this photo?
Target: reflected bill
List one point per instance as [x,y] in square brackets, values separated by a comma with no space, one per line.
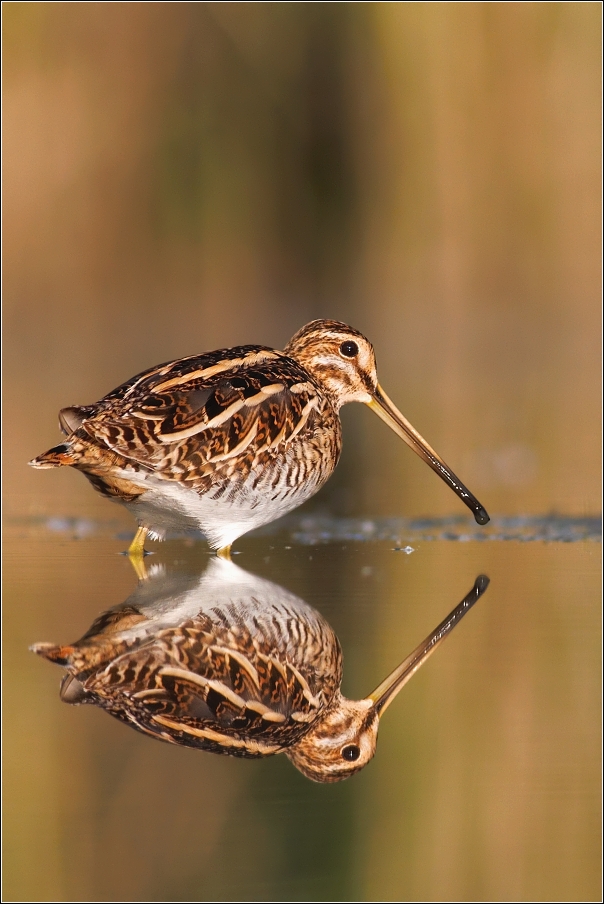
[231,663]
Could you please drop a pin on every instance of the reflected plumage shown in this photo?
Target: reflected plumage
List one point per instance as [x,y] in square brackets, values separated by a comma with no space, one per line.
[233,664]
[230,440]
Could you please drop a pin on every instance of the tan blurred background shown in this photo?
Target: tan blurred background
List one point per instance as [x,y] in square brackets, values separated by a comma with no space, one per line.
[182,177]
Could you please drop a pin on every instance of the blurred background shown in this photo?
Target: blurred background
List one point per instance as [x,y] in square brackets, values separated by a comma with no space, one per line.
[189,176]
[184,177]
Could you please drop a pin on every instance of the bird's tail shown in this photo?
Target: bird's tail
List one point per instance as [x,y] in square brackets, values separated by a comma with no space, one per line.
[72,690]
[56,457]
[60,655]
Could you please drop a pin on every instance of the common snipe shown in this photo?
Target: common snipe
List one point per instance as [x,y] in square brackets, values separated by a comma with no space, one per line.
[234,664]
[232,439]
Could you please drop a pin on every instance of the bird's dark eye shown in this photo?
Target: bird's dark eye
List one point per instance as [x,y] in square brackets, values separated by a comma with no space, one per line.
[349,350]
[351,752]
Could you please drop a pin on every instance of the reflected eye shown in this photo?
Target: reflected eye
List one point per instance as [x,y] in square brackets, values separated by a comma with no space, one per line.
[351,753]
[349,350]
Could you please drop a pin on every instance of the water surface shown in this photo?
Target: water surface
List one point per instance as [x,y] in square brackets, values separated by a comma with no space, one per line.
[486,780]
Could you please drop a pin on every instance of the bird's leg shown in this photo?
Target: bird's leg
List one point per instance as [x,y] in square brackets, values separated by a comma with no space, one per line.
[138,563]
[224,552]
[137,547]
[136,553]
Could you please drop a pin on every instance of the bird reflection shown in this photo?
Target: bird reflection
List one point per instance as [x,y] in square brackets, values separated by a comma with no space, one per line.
[231,663]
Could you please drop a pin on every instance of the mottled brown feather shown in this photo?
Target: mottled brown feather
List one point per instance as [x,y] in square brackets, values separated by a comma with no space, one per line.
[257,674]
[192,431]
[230,440]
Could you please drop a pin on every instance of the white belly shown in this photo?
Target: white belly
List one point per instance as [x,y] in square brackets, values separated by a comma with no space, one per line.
[169,506]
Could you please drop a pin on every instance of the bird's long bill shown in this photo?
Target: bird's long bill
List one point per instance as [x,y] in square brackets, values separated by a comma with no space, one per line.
[390,414]
[385,693]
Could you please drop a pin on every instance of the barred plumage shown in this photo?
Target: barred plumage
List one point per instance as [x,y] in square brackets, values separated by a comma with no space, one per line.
[233,664]
[230,440]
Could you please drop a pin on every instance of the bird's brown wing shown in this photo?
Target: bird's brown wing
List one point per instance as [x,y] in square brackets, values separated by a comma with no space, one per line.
[202,686]
[188,419]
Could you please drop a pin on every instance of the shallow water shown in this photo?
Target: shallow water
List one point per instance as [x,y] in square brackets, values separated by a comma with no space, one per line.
[486,780]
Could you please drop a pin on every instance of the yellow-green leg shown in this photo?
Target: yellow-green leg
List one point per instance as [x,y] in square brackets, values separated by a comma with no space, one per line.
[136,553]
[137,547]
[224,552]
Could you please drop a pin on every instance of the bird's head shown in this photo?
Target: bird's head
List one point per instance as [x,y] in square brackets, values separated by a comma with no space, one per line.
[344,740]
[342,361]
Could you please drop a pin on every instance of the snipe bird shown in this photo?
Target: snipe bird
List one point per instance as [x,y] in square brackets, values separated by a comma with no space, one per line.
[229,440]
[237,665]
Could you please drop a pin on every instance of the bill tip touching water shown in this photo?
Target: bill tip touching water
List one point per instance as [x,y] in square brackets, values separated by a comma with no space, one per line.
[227,441]
[239,666]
